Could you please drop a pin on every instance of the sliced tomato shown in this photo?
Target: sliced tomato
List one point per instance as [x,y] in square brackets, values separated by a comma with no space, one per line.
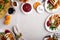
[48,23]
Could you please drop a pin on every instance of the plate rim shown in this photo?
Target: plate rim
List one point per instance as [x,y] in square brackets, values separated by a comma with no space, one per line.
[46,25]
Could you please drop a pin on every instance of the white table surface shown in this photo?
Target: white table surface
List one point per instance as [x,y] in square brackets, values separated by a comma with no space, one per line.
[31,25]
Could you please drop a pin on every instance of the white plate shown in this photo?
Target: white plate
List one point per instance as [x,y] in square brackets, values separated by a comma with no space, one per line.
[50,11]
[23,10]
[48,29]
[3,30]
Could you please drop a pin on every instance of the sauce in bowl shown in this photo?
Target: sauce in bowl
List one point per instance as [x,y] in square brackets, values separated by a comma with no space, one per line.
[26,7]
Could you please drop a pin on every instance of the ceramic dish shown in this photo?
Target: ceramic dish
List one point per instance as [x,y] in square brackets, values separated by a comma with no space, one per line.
[24,11]
[40,9]
[52,9]
[52,23]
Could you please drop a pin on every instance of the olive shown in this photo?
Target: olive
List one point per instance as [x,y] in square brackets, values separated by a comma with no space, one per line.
[11,10]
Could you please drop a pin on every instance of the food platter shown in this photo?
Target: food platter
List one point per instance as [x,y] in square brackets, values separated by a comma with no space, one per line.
[28,24]
[5,32]
[48,23]
[52,9]
[4,5]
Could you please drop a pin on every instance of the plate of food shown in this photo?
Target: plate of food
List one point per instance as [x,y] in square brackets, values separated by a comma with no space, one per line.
[6,34]
[4,6]
[52,6]
[51,37]
[52,23]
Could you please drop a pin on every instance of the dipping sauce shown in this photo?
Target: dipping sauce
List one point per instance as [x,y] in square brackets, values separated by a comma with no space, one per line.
[14,3]
[27,7]
[11,10]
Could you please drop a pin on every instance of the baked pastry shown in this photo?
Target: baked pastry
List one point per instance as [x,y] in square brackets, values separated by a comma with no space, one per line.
[36,4]
[7,19]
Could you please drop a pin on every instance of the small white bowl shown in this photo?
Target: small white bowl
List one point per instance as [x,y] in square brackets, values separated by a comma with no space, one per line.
[16,3]
[24,11]
[40,9]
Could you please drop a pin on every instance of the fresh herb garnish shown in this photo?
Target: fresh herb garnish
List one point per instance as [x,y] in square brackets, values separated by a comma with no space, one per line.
[2,33]
[6,1]
[50,6]
[1,7]
[53,25]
